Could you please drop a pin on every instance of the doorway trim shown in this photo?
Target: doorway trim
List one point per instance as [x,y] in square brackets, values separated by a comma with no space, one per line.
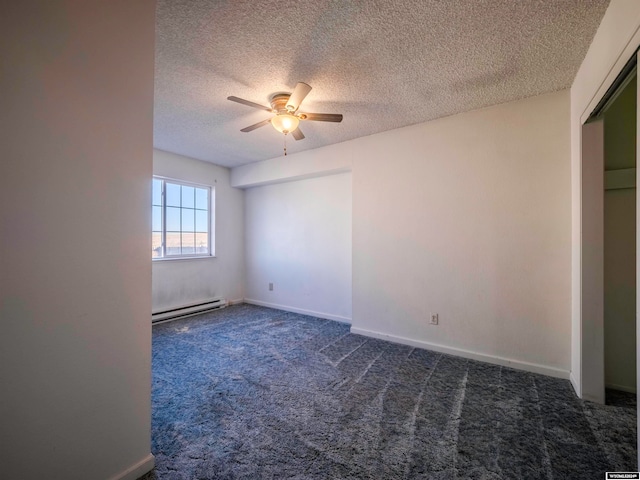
[592,261]
[616,41]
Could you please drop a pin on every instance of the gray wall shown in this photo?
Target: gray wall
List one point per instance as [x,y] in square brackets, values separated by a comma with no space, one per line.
[75,270]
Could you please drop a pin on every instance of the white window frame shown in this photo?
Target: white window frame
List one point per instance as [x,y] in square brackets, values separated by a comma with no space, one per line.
[210,209]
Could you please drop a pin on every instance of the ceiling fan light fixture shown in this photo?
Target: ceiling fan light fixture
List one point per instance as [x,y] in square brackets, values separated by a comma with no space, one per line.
[284,107]
[285,123]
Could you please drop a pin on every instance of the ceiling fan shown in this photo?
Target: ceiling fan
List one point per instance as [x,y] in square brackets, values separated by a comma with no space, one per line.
[285,107]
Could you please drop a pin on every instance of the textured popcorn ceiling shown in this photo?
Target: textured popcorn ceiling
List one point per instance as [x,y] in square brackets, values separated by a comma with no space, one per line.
[383,64]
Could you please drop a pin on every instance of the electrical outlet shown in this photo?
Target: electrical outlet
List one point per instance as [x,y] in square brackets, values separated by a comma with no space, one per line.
[433,319]
[270,287]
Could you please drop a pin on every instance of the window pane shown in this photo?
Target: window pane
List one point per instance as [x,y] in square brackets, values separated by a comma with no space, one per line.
[157,192]
[202,223]
[157,219]
[173,219]
[202,198]
[173,243]
[156,244]
[188,197]
[202,243]
[188,220]
[181,216]
[173,194]
[188,243]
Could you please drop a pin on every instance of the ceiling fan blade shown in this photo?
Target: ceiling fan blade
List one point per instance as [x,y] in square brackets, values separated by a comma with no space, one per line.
[296,98]
[249,104]
[321,117]
[256,125]
[297,134]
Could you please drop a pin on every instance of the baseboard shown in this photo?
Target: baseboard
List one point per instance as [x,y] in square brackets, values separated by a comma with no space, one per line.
[236,301]
[622,388]
[576,385]
[136,470]
[302,311]
[505,362]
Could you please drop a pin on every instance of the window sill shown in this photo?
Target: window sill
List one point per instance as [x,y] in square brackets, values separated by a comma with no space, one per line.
[174,259]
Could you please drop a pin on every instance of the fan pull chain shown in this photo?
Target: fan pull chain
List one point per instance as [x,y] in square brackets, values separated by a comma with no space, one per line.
[285,144]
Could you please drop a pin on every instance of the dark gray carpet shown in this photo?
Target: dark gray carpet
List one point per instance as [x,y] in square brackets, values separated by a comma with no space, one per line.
[251,392]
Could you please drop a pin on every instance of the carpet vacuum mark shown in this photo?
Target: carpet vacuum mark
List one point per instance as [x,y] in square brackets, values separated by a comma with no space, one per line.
[252,392]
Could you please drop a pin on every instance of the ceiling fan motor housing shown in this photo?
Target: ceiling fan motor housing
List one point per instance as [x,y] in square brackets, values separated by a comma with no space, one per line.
[279,103]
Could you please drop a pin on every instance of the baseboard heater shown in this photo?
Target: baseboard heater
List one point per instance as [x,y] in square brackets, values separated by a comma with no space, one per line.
[187,310]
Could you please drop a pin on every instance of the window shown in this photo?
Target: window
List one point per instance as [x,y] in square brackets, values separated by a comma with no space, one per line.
[181,219]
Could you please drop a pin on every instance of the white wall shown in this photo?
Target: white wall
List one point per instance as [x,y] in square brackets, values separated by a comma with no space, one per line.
[312,163]
[615,42]
[298,237]
[468,217]
[75,269]
[182,282]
